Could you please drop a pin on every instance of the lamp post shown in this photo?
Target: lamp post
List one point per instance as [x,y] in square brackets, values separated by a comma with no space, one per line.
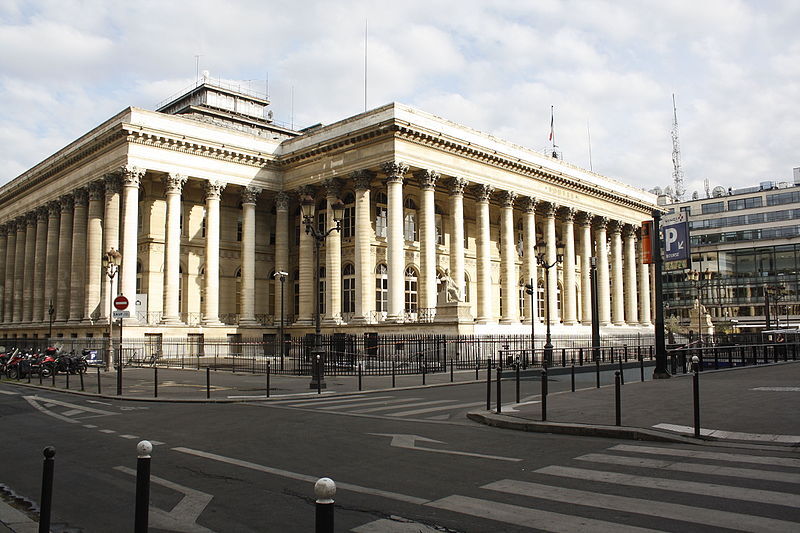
[281,275]
[700,280]
[778,292]
[307,209]
[51,312]
[111,262]
[530,289]
[542,262]
[595,311]
[660,370]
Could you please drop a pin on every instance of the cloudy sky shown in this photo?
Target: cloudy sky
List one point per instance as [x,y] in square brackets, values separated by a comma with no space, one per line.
[608,68]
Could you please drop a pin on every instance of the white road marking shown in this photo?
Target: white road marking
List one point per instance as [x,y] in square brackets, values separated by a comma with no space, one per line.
[415,412]
[536,518]
[73,412]
[89,426]
[394,524]
[673,511]
[676,485]
[301,477]
[400,406]
[129,437]
[400,440]
[385,404]
[183,517]
[714,456]
[98,401]
[736,435]
[348,399]
[108,431]
[695,468]
[9,393]
[778,389]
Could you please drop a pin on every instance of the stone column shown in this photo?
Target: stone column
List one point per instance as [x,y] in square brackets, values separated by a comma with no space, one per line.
[29,267]
[210,309]
[306,313]
[569,299]
[508,260]
[585,250]
[3,252]
[550,253]
[131,179]
[395,253]
[483,241]
[529,258]
[457,186]
[52,262]
[617,294]
[365,267]
[333,258]
[282,234]
[248,306]
[94,252]
[113,185]
[19,269]
[39,261]
[644,287]
[603,284]
[427,238]
[78,279]
[8,286]
[631,315]
[173,187]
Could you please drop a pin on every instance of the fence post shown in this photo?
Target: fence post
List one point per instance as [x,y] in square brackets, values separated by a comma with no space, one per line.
[269,371]
[99,389]
[544,395]
[563,357]
[580,356]
[477,367]
[143,450]
[618,398]
[208,382]
[155,382]
[318,370]
[499,382]
[47,489]
[324,490]
[625,352]
[67,373]
[119,377]
[696,396]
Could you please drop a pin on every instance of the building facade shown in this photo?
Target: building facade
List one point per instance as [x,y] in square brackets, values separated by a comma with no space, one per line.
[202,198]
[745,250]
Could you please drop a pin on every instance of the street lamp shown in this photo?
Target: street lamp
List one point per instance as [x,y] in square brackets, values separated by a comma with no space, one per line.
[778,292]
[111,262]
[307,210]
[281,275]
[700,280]
[51,312]
[595,310]
[542,262]
[530,289]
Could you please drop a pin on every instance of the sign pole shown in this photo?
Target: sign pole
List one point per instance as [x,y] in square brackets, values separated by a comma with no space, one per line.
[660,371]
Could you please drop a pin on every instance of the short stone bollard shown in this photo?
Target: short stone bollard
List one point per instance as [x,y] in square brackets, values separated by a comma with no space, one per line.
[324,491]
[47,489]
[143,449]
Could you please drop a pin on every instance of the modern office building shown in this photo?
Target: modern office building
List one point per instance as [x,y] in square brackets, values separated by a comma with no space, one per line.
[745,249]
[203,199]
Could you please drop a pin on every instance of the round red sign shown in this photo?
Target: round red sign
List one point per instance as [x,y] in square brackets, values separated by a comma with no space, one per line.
[120,303]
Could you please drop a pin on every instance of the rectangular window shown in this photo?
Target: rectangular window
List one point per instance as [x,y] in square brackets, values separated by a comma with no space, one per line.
[744,203]
[382,294]
[196,344]
[714,207]
[349,295]
[381,221]
[783,198]
[349,222]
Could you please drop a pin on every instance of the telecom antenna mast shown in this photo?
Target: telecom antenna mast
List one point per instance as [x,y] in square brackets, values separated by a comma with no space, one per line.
[677,173]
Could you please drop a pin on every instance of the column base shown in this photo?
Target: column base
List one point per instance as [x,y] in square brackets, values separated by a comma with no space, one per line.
[332,321]
[645,324]
[303,322]
[250,322]
[509,321]
[618,323]
[170,322]
[211,322]
[395,319]
[570,323]
[358,320]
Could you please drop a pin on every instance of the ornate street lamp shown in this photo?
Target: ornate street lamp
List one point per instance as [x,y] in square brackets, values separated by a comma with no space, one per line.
[111,261]
[51,312]
[530,289]
[542,262]
[307,210]
[281,275]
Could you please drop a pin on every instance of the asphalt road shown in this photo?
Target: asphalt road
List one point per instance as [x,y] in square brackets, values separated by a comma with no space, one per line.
[409,454]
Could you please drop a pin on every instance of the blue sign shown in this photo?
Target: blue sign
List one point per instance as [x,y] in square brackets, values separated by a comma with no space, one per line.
[676,238]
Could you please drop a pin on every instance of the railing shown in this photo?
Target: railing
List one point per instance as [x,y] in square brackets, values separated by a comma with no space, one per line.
[191,319]
[229,318]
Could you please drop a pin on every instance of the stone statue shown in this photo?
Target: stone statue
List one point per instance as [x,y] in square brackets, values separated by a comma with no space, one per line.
[452,292]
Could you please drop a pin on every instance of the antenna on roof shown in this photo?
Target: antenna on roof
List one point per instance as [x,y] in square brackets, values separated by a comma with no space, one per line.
[677,171]
[196,68]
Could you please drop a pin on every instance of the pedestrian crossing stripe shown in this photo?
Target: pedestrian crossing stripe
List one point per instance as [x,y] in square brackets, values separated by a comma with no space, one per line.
[714,456]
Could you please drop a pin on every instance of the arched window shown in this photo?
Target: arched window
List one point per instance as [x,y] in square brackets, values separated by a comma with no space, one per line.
[239,228]
[321,291]
[522,297]
[439,224]
[203,224]
[349,217]
[322,216]
[540,299]
[381,288]
[381,216]
[410,220]
[348,289]
[559,292]
[296,293]
[411,290]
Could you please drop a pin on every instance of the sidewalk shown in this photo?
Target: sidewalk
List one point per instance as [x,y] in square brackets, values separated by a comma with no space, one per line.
[755,404]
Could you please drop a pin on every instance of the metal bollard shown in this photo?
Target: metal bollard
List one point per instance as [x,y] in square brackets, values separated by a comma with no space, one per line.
[269,372]
[143,450]
[621,373]
[319,374]
[80,374]
[53,375]
[517,397]
[99,387]
[47,489]
[424,372]
[641,367]
[67,373]
[597,371]
[499,381]
[393,372]
[696,395]
[477,367]
[359,375]
[544,395]
[324,490]
[155,382]
[40,375]
[563,357]
[451,370]
[489,389]
[618,398]
[208,382]
[119,378]
[572,376]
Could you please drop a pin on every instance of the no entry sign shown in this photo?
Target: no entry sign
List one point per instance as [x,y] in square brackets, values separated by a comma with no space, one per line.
[120,303]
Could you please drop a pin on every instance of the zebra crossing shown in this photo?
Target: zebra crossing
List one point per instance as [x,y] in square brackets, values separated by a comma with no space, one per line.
[624,489]
[384,405]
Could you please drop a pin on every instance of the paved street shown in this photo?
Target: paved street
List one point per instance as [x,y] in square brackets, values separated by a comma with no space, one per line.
[404,460]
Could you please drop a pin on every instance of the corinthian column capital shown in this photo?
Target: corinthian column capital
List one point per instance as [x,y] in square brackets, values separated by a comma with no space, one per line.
[483,192]
[333,186]
[568,214]
[426,178]
[41,213]
[629,231]
[584,218]
[281,201]
[601,222]
[250,194]
[54,208]
[96,190]
[394,170]
[131,176]
[174,182]
[457,186]
[548,209]
[113,182]
[507,198]
[362,179]
[529,204]
[81,197]
[213,189]
[615,226]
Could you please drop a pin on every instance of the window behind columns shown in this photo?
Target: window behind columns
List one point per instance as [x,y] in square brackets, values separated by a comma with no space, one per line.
[381,217]
[410,219]
[349,289]
[520,239]
[203,225]
[296,288]
[273,288]
[239,228]
[349,218]
[322,216]
[559,294]
[381,288]
[238,290]
[439,223]
[522,296]
[138,278]
[411,290]
[540,299]
[321,291]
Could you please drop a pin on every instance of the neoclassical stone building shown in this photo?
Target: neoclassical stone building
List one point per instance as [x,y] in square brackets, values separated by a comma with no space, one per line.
[202,198]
